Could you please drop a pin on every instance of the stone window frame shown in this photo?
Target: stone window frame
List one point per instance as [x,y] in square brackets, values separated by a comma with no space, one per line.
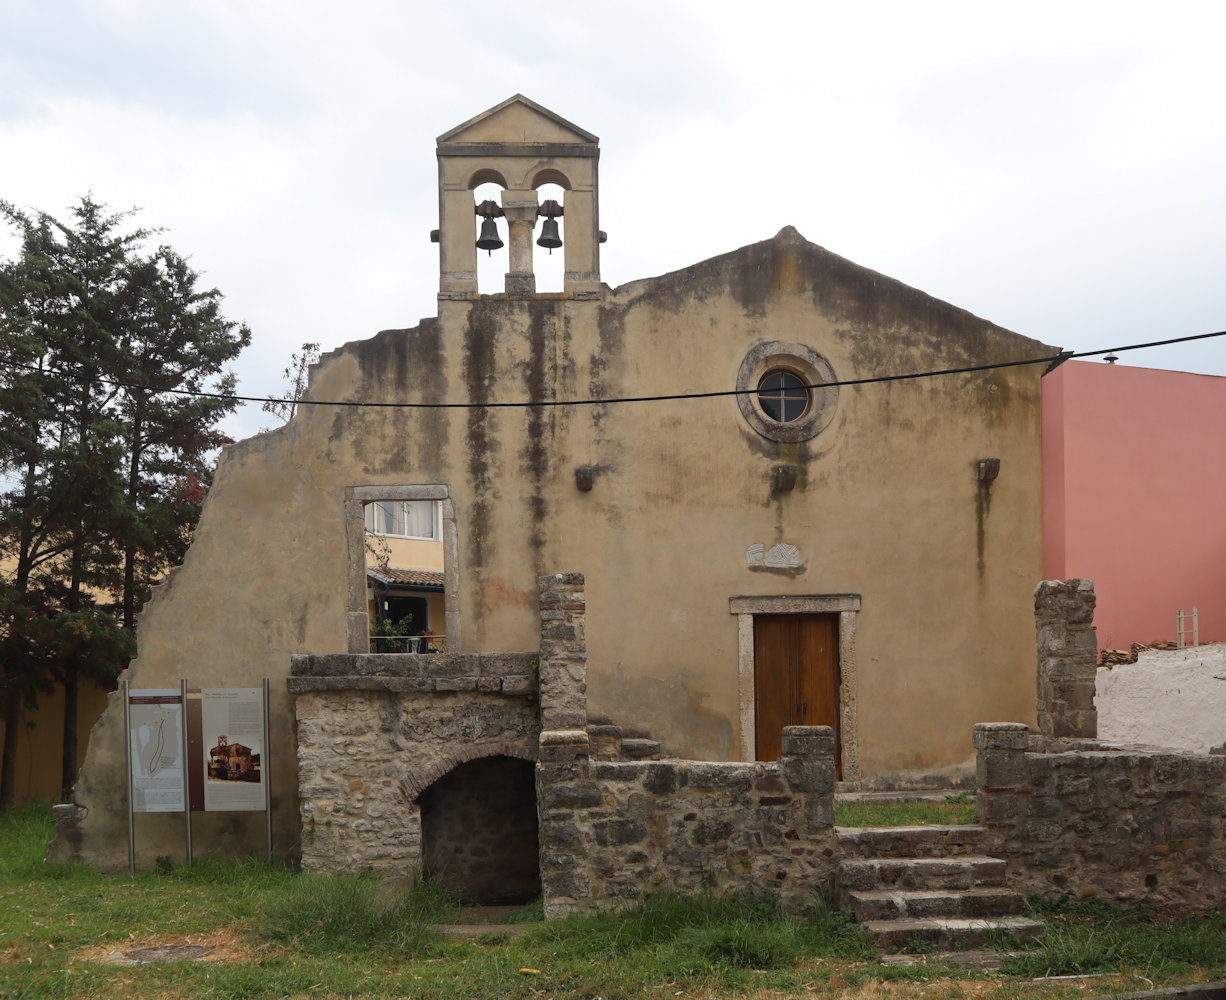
[802,361]
[847,607]
[357,620]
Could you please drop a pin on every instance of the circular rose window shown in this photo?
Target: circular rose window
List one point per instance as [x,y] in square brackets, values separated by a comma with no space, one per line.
[784,391]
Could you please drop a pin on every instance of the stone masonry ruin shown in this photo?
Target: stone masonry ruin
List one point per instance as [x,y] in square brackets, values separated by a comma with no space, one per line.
[483,768]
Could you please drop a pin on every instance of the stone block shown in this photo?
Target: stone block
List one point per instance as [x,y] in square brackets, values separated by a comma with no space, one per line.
[661,778]
[576,795]
[1000,769]
[808,741]
[819,812]
[618,832]
[812,775]
[701,774]
[1001,736]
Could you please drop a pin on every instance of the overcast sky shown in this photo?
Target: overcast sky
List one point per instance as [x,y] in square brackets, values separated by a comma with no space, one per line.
[1057,168]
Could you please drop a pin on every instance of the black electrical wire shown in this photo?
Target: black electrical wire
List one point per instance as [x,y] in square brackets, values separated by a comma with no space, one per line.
[1050,360]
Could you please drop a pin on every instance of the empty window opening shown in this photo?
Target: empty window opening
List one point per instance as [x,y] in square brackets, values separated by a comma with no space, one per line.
[479,831]
[405,573]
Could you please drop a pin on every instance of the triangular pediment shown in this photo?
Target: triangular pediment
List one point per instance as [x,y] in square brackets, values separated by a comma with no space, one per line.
[517,119]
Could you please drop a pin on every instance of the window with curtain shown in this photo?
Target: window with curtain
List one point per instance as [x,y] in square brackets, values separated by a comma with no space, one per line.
[403,518]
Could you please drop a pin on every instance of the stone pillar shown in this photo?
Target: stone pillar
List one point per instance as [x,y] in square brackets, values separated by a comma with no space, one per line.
[807,762]
[563,663]
[807,765]
[1067,647]
[520,209]
[564,786]
[1000,771]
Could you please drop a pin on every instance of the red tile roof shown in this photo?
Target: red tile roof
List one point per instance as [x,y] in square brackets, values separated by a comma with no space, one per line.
[407,577]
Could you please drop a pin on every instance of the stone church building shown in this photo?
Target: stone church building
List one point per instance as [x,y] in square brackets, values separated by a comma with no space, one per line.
[769,534]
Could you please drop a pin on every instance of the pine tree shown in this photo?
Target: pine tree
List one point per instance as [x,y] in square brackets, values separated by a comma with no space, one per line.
[104,468]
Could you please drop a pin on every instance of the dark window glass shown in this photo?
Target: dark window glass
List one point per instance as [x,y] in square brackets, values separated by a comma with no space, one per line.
[783,396]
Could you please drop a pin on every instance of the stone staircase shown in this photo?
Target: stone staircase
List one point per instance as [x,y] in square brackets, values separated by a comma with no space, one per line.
[934,885]
[609,742]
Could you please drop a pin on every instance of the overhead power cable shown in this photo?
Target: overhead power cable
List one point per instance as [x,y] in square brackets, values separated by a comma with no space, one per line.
[1051,360]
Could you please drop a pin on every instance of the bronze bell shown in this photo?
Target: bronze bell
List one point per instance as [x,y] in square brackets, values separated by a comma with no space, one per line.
[549,235]
[489,239]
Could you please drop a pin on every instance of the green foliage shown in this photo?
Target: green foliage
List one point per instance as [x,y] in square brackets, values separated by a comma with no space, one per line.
[333,936]
[104,454]
[330,914]
[1095,937]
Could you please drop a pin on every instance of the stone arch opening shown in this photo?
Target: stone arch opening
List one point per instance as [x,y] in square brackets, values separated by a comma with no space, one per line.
[492,265]
[549,266]
[479,831]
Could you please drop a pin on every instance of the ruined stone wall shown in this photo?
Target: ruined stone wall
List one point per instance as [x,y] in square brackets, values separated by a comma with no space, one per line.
[1132,824]
[1067,649]
[611,832]
[374,731]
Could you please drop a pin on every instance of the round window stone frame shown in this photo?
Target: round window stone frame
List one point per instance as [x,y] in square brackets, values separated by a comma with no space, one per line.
[805,362]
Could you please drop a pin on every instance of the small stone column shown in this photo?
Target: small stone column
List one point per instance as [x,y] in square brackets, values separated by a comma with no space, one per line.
[1000,771]
[807,766]
[563,663]
[563,788]
[807,762]
[520,208]
[1067,646]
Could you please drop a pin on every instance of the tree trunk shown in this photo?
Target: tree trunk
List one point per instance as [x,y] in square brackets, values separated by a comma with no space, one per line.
[8,767]
[68,771]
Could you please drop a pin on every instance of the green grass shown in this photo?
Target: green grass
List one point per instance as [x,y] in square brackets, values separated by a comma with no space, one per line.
[954,811]
[284,934]
[1094,937]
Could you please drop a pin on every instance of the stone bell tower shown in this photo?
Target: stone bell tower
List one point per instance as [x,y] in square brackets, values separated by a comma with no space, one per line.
[518,145]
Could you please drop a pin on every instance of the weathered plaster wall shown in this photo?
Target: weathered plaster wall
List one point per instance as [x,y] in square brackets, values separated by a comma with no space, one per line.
[1169,698]
[1093,819]
[1134,469]
[887,506]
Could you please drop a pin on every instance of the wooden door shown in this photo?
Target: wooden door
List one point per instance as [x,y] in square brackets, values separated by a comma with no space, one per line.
[796,677]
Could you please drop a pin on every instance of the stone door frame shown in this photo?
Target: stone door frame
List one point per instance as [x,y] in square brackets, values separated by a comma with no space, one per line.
[847,607]
[357,620]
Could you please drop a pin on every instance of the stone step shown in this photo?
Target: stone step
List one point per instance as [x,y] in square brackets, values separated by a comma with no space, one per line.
[922,904]
[949,933]
[912,841]
[634,748]
[966,872]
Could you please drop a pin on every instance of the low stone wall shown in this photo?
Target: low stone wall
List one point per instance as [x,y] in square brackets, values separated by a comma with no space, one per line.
[374,731]
[1133,824]
[611,832]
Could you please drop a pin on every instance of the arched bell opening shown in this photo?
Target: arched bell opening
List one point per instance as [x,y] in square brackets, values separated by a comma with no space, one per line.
[479,831]
[549,257]
[493,261]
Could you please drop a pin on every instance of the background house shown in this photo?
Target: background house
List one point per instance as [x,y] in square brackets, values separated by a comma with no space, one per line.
[1134,472]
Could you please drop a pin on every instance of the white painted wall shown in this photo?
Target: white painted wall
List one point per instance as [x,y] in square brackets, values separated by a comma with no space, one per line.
[1170,698]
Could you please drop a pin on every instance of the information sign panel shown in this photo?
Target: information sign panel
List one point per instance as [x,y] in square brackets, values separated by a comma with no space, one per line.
[232,728]
[155,735]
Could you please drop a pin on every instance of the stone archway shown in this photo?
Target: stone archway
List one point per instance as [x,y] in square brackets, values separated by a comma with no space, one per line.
[479,831]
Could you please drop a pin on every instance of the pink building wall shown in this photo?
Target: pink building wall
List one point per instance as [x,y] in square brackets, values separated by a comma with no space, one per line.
[1134,495]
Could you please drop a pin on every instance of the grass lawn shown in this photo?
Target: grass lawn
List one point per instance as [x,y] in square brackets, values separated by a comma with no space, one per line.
[275,933]
[956,810]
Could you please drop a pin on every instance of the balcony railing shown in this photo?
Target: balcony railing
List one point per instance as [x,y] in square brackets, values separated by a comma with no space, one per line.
[408,644]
